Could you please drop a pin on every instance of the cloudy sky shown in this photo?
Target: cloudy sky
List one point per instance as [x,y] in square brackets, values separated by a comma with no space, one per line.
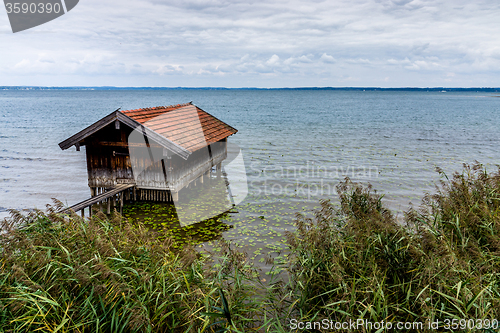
[254,43]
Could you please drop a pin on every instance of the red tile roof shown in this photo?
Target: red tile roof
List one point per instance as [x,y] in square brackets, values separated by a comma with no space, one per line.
[184,124]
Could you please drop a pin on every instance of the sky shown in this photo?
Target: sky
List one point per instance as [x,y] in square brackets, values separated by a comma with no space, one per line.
[253,43]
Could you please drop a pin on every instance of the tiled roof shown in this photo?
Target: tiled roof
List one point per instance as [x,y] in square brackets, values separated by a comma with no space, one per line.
[184,124]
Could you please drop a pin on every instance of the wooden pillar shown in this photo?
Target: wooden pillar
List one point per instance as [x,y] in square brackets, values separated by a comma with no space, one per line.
[201,179]
[218,168]
[121,203]
[83,212]
[109,206]
[135,193]
[175,196]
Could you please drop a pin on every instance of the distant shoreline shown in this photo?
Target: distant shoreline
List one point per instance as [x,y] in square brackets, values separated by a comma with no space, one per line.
[437,89]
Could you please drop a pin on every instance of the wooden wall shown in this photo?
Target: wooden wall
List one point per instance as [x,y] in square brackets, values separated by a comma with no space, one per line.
[109,161]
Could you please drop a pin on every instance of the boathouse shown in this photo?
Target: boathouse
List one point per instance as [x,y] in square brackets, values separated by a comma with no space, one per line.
[149,154]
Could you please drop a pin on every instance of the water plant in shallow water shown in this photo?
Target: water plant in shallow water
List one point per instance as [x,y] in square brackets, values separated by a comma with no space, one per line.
[162,218]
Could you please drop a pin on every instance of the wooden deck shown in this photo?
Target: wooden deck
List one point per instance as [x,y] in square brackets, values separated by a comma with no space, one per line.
[99,198]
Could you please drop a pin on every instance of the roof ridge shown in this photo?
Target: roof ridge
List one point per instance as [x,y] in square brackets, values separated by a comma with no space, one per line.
[158,107]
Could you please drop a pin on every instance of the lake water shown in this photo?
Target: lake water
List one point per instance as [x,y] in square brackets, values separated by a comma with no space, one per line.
[297,145]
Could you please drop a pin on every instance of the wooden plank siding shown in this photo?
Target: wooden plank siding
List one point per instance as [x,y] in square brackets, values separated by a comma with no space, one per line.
[109,162]
[169,148]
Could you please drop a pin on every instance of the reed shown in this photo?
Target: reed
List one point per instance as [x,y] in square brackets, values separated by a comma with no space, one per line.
[67,274]
[357,262]
[351,261]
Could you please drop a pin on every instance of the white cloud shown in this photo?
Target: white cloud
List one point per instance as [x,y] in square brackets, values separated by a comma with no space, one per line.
[234,41]
[273,60]
[327,58]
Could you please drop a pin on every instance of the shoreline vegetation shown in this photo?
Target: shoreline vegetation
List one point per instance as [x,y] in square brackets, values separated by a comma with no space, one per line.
[352,262]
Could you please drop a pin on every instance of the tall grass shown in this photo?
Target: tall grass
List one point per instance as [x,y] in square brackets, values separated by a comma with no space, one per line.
[351,261]
[106,275]
[357,262]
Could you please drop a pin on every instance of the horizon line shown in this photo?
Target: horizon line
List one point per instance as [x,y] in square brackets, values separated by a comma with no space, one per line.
[24,87]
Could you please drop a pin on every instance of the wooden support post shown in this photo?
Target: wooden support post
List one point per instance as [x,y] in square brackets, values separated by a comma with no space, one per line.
[135,193]
[218,168]
[109,206]
[83,213]
[90,211]
[175,196]
[201,179]
[121,203]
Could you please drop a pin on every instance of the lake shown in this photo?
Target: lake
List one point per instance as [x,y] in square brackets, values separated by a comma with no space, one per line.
[296,145]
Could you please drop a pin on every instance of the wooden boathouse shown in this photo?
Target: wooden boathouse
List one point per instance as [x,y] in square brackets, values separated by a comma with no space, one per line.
[149,154]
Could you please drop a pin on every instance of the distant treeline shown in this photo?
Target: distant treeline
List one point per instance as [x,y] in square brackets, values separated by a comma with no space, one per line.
[477,89]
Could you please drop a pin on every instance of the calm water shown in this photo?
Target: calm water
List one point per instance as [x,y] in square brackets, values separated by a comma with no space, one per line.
[297,145]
